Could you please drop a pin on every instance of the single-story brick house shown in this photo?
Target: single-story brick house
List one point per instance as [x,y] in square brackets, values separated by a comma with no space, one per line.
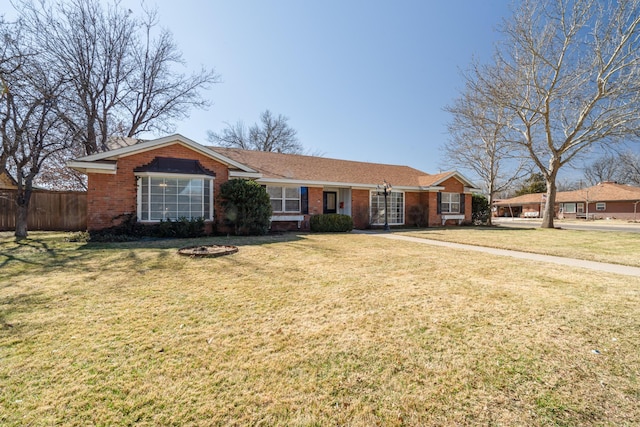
[605,200]
[175,177]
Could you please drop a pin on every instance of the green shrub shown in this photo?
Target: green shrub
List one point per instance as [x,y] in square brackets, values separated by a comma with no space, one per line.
[480,209]
[331,223]
[181,228]
[130,229]
[247,207]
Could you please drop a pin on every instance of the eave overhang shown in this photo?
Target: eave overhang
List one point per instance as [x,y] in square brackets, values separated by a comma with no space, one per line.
[93,167]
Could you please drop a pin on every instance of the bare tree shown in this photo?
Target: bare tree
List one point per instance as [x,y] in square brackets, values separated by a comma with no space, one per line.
[32,122]
[271,134]
[623,168]
[569,72]
[603,169]
[12,57]
[77,73]
[234,135]
[55,175]
[630,162]
[123,80]
[478,141]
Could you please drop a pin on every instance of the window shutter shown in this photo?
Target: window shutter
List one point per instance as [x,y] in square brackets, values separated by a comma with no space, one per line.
[439,203]
[304,199]
[461,203]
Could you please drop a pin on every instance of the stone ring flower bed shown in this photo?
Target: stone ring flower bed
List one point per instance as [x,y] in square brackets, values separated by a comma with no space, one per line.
[210,251]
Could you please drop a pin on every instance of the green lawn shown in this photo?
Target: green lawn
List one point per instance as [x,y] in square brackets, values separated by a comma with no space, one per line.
[316,329]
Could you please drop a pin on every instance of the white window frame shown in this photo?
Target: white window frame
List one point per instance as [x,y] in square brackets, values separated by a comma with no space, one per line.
[396,209]
[284,198]
[207,204]
[569,208]
[580,208]
[601,206]
[449,203]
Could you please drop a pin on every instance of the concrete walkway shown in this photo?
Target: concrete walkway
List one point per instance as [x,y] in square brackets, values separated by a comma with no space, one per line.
[571,262]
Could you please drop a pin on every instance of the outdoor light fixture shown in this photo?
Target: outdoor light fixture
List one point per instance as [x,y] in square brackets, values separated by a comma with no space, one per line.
[385,190]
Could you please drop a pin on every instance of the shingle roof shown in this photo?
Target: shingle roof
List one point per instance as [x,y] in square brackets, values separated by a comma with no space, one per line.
[322,169]
[603,192]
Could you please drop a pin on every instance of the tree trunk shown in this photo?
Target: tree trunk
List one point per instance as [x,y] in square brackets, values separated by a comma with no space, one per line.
[22,213]
[490,200]
[549,207]
[23,198]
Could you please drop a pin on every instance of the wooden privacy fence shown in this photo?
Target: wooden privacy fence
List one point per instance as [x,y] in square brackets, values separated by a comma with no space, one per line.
[48,210]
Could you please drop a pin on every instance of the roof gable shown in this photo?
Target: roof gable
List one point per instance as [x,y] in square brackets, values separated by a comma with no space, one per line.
[139,147]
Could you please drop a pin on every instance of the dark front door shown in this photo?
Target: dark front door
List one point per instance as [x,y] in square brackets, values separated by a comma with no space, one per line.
[329,202]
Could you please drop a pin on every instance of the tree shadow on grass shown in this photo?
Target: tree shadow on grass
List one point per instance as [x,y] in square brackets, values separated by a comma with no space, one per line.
[36,252]
[170,243]
[20,303]
[47,251]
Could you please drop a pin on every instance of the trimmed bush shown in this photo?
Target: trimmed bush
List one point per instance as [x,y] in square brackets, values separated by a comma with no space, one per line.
[331,223]
[247,207]
[181,228]
[130,229]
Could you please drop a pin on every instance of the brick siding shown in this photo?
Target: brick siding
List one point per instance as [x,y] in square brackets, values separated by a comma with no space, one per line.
[111,196]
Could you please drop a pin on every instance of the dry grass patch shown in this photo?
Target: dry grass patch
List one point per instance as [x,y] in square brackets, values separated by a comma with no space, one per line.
[612,247]
[310,330]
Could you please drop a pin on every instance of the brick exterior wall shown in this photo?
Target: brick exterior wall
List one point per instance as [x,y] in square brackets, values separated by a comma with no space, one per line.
[360,208]
[111,196]
[315,200]
[451,185]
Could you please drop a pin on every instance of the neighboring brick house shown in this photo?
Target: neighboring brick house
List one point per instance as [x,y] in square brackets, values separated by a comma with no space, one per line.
[605,200]
[175,177]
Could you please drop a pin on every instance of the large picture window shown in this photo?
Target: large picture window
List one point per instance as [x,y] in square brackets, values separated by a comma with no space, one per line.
[395,200]
[165,197]
[284,199]
[450,203]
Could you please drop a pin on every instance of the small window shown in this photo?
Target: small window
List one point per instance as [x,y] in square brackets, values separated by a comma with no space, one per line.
[284,199]
[580,208]
[601,206]
[450,203]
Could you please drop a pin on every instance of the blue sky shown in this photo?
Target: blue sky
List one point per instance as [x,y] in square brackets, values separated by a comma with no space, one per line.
[359,80]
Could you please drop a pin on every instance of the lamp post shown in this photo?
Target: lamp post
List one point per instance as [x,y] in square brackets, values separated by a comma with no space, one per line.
[385,190]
